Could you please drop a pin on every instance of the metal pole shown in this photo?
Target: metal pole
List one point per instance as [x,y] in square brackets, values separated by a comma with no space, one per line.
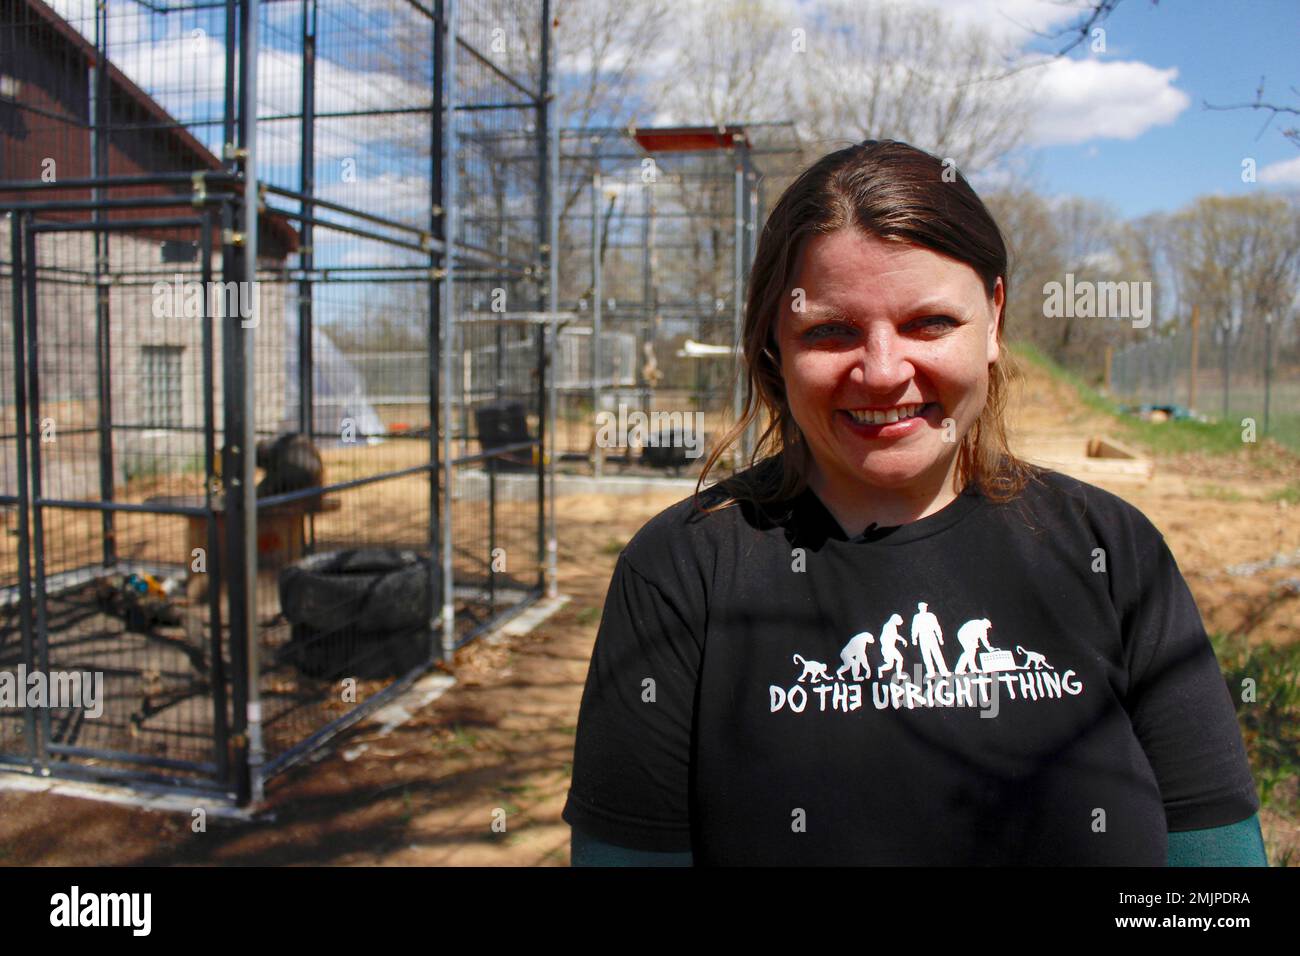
[1268,356]
[25,610]
[248,140]
[99,133]
[306,286]
[751,227]
[307,171]
[738,222]
[552,214]
[437,227]
[597,292]
[42,634]
[1227,362]
[448,338]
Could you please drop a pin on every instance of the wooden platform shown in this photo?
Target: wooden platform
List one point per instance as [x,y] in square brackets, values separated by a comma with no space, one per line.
[281,531]
[1098,457]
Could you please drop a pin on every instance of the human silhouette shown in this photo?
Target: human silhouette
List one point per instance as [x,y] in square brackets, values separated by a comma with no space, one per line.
[970,636]
[926,632]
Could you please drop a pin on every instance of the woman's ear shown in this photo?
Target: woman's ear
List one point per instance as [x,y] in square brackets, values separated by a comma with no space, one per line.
[995,325]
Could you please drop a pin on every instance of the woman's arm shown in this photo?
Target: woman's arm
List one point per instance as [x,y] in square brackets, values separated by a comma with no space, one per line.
[586,850]
[1237,844]
[632,749]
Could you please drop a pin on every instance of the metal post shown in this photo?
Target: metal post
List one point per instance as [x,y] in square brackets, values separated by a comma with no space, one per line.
[306,287]
[1227,361]
[553,540]
[16,242]
[99,117]
[1268,361]
[447,337]
[248,141]
[217,675]
[647,282]
[751,226]
[307,171]
[737,278]
[246,261]
[42,648]
[437,227]
[548,222]
[597,292]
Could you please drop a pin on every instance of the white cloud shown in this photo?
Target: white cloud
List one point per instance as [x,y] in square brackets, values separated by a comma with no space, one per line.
[1285,173]
[1079,100]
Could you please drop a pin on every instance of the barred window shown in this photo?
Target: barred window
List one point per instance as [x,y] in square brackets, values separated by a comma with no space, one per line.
[162,386]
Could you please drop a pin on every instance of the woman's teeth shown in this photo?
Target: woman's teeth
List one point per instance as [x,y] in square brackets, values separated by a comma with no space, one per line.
[884,418]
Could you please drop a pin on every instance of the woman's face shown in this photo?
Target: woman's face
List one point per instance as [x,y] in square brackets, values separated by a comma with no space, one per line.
[883,325]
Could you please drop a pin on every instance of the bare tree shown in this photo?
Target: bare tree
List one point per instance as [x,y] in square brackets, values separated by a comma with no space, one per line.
[732,61]
[888,71]
[1239,259]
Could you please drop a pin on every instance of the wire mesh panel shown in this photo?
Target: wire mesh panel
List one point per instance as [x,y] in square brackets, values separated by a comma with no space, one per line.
[120,437]
[657,230]
[1247,370]
[232,280]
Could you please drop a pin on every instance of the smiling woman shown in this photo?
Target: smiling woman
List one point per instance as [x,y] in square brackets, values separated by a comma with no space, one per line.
[771,684]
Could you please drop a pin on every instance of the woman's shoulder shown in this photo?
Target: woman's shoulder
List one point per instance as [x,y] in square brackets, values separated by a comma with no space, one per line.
[694,527]
[1058,497]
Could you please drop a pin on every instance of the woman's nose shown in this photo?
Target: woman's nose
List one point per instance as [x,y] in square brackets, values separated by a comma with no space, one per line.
[883,363]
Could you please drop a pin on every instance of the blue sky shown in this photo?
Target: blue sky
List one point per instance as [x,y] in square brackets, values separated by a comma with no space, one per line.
[1125,125]
[1220,51]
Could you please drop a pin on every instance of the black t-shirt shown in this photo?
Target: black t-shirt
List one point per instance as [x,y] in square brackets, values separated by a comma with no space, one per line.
[1018,683]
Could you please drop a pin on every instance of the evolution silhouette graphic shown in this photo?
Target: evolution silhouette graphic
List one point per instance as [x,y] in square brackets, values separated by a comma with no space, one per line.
[977,680]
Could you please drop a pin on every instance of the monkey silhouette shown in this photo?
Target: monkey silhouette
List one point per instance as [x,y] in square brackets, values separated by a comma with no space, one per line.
[814,669]
[291,462]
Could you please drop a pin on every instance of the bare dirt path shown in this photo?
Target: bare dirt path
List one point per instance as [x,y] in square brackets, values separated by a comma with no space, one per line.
[501,740]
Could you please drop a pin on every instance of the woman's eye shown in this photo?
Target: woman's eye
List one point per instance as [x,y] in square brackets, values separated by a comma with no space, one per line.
[824,331]
[940,319]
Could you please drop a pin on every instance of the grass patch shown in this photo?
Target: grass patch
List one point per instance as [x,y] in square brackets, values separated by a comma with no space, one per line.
[1219,493]
[1290,494]
[588,615]
[1168,438]
[1087,394]
[1181,437]
[1270,724]
[613,547]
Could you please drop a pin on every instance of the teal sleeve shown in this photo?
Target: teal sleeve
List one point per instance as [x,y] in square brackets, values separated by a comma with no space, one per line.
[586,850]
[1237,844]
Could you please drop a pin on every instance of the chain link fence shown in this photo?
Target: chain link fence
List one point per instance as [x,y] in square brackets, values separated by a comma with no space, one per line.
[1225,372]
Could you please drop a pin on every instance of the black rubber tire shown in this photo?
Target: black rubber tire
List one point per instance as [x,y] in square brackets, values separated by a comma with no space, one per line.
[344,652]
[376,590]
[362,612]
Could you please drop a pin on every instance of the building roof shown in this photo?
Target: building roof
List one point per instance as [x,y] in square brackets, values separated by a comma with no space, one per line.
[124,89]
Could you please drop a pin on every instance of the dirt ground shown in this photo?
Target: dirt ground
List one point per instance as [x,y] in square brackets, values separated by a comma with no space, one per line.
[427,792]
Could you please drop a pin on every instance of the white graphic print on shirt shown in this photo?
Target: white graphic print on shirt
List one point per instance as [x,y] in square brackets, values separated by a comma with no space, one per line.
[978,677]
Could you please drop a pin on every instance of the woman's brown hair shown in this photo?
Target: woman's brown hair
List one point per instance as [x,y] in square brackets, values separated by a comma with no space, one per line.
[892,191]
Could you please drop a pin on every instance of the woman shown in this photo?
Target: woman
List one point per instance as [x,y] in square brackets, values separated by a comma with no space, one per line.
[1005,667]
